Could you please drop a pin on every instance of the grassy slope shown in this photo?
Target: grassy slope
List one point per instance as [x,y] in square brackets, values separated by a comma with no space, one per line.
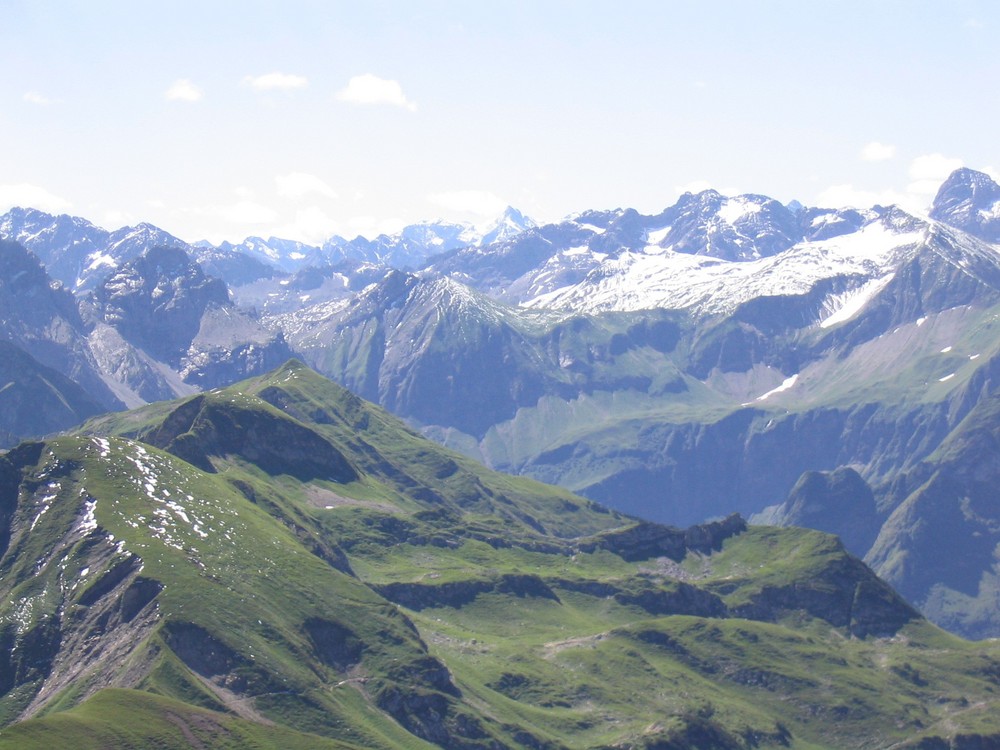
[118,719]
[587,669]
[550,638]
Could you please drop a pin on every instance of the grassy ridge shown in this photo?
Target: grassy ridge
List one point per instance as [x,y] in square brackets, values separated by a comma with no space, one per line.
[415,599]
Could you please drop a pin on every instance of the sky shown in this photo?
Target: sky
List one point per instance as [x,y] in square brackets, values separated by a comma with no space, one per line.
[220,120]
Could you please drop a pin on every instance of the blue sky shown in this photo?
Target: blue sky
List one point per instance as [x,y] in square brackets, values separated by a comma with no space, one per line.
[221,120]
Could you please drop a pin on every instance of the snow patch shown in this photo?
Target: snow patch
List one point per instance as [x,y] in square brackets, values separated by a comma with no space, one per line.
[89,521]
[656,236]
[100,259]
[785,385]
[667,279]
[849,304]
[103,446]
[735,209]
[46,502]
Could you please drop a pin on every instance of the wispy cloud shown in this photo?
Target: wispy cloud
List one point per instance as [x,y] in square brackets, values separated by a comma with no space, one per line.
[849,196]
[183,90]
[33,97]
[928,171]
[311,224]
[480,202]
[696,186]
[876,151]
[298,184]
[276,82]
[243,212]
[26,195]
[370,89]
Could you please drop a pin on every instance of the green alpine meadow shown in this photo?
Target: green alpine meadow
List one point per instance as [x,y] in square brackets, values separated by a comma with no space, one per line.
[281,564]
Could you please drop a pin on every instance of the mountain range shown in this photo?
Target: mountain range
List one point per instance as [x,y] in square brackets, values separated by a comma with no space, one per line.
[727,354]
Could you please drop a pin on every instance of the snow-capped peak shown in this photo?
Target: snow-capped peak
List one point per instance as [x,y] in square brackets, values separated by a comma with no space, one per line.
[510,224]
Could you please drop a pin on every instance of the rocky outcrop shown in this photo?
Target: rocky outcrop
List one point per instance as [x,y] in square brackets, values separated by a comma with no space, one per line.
[844,592]
[418,596]
[203,427]
[645,540]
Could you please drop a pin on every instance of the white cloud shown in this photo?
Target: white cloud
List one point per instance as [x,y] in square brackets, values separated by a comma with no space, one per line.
[26,195]
[115,219]
[928,171]
[297,184]
[183,90]
[848,196]
[244,212]
[479,202]
[933,167]
[370,89]
[696,186]
[273,81]
[371,227]
[33,97]
[311,224]
[876,151]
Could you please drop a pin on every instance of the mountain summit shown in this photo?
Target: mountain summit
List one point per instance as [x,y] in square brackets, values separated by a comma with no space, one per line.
[969,200]
[510,224]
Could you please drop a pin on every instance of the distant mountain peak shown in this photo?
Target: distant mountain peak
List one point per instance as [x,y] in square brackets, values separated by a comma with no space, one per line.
[969,200]
[510,224]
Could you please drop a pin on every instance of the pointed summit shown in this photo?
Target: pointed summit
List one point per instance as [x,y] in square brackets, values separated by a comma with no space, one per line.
[510,224]
[969,200]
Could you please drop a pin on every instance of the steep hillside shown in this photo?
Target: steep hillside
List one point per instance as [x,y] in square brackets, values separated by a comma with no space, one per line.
[37,400]
[281,564]
[38,316]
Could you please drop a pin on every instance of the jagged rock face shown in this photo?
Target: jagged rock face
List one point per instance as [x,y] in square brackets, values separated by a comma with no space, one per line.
[43,319]
[68,246]
[157,301]
[76,252]
[29,299]
[970,201]
[736,229]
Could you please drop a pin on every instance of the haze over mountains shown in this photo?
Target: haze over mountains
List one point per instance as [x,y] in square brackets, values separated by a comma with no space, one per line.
[795,364]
